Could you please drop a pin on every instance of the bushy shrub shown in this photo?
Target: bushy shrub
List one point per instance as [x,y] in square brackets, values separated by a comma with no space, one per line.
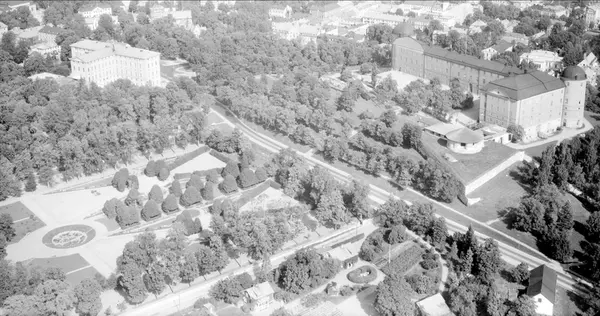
[170,205]
[191,196]
[133,198]
[429,264]
[247,178]
[119,180]
[213,177]
[346,290]
[232,168]
[261,174]
[281,312]
[364,274]
[313,300]
[110,208]
[150,210]
[156,194]
[191,226]
[163,174]
[30,184]
[422,284]
[175,188]
[196,182]
[396,234]
[228,185]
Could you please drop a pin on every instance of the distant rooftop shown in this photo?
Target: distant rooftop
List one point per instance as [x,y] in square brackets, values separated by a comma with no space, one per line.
[434,305]
[90,7]
[105,49]
[51,30]
[527,85]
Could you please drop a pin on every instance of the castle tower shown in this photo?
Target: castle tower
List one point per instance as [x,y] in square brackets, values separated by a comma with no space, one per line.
[574,101]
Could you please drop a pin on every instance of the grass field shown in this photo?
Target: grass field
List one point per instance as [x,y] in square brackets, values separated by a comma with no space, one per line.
[24,221]
[110,224]
[213,118]
[75,267]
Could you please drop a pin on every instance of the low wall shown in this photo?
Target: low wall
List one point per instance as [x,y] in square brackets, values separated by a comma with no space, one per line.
[473,185]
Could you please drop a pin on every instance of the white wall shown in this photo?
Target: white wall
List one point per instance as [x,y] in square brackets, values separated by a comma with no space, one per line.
[542,305]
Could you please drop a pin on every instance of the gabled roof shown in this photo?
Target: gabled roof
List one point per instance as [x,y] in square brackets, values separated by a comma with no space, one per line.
[471,61]
[51,30]
[408,43]
[542,280]
[526,85]
[260,290]
[502,46]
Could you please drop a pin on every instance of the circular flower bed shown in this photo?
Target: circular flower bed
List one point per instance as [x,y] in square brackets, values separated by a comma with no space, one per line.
[364,274]
[69,236]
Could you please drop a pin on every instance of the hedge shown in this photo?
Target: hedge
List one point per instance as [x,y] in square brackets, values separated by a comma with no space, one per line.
[250,194]
[403,262]
[219,156]
[349,240]
[187,157]
[202,173]
[356,277]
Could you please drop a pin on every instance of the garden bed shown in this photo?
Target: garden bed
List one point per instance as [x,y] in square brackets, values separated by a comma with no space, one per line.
[401,264]
[364,274]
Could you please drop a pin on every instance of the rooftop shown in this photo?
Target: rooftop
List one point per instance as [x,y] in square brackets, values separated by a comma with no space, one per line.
[542,280]
[465,135]
[385,17]
[434,305]
[540,55]
[44,45]
[443,128]
[61,80]
[502,46]
[90,7]
[105,49]
[260,290]
[51,30]
[526,85]
[515,35]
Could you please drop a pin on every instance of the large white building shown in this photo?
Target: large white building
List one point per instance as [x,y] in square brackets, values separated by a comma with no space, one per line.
[546,61]
[105,62]
[95,11]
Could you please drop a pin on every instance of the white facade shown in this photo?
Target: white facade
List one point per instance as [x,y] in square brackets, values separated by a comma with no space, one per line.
[543,306]
[104,63]
[283,13]
[3,28]
[46,49]
[591,67]
[95,11]
[377,18]
[545,60]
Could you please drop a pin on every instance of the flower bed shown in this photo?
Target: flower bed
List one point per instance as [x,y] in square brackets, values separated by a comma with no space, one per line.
[404,262]
[364,274]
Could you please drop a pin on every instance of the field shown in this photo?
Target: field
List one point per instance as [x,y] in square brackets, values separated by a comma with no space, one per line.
[75,267]
[205,161]
[24,221]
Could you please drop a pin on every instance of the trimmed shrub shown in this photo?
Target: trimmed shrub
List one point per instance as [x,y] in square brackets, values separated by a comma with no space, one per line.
[208,192]
[231,168]
[364,274]
[312,300]
[261,174]
[191,196]
[119,180]
[159,165]
[275,185]
[175,188]
[110,208]
[349,240]
[156,194]
[169,205]
[150,210]
[127,216]
[195,181]
[213,176]
[247,178]
[228,185]
[215,208]
[133,182]
[150,169]
[133,198]
[163,174]
[403,262]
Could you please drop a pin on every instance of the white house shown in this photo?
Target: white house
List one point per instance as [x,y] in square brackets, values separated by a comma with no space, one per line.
[591,67]
[502,46]
[280,12]
[545,60]
[542,289]
[261,295]
[477,27]
[95,11]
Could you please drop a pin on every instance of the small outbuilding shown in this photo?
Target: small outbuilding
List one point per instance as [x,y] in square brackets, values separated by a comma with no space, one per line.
[542,289]
[434,305]
[261,295]
[465,141]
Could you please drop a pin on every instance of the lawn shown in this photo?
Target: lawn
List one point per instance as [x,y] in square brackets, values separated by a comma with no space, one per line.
[205,161]
[24,221]
[110,224]
[496,195]
[565,305]
[213,118]
[74,266]
[76,277]
[470,167]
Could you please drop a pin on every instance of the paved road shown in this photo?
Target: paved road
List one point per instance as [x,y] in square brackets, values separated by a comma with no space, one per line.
[513,251]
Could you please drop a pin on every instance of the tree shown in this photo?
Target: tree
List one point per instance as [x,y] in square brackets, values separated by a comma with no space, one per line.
[212,176]
[438,232]
[170,205]
[6,226]
[31,184]
[23,305]
[524,306]
[411,135]
[119,180]
[557,245]
[150,169]
[228,185]
[56,297]
[195,181]
[190,197]
[517,132]
[487,261]
[593,227]
[462,301]
[520,273]
[189,268]
[564,221]
[175,188]
[392,297]
[227,290]
[88,297]
[208,192]
[356,200]
[261,174]
[247,178]
[306,269]
[156,194]
[397,234]
[231,168]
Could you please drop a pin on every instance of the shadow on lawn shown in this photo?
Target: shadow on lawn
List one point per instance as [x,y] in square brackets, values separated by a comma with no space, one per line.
[367,298]
[517,176]
[580,302]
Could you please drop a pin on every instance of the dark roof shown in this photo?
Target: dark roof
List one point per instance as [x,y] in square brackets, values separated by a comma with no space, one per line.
[526,85]
[502,46]
[542,280]
[465,135]
[51,30]
[408,43]
[574,73]
[467,60]
[90,7]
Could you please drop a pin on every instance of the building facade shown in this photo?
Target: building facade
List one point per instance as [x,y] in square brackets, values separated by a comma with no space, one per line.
[545,60]
[46,49]
[49,33]
[103,63]
[284,12]
[538,102]
[425,61]
[95,11]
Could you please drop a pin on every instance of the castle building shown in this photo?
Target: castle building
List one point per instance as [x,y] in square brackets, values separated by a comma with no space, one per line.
[104,62]
[538,102]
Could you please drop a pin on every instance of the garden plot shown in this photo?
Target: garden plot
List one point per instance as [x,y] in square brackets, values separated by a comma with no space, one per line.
[268,200]
[203,162]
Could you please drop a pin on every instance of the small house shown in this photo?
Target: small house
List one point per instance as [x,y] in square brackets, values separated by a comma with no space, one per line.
[347,254]
[261,295]
[542,289]
[434,305]
[501,47]
[465,141]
